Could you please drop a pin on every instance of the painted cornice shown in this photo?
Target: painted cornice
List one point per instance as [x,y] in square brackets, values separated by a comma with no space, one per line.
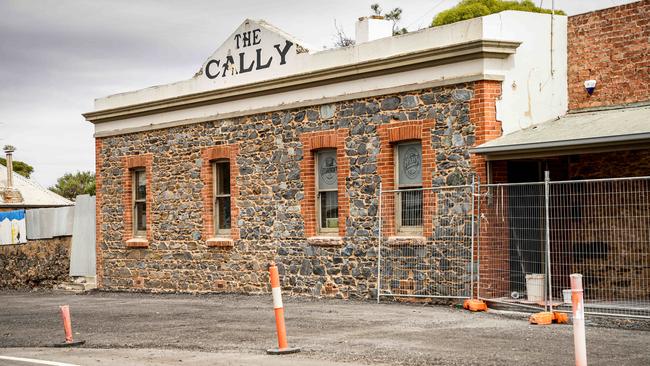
[479,49]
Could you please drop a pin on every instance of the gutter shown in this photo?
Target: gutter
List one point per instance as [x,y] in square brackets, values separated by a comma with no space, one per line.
[430,57]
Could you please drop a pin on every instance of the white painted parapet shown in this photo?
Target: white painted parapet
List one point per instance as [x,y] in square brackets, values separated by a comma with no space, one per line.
[260,68]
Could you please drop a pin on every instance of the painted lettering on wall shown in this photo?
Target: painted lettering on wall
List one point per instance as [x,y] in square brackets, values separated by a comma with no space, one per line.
[248,57]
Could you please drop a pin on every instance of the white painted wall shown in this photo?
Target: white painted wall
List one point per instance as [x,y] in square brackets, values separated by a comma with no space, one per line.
[370,29]
[531,94]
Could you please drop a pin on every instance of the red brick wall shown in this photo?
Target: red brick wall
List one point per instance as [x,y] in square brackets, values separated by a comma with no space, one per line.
[99,262]
[312,141]
[483,114]
[611,46]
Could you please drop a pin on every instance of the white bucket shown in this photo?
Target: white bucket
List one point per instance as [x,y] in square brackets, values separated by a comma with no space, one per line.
[535,287]
[566,295]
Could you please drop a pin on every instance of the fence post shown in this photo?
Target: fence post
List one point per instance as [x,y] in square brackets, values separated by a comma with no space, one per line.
[547,179]
[471,286]
[478,241]
[379,250]
[577,303]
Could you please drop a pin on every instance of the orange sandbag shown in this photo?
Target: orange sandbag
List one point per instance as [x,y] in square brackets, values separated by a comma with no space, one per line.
[542,318]
[560,318]
[474,305]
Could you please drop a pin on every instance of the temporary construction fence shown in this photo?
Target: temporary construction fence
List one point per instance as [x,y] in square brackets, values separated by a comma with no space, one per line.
[517,243]
[426,242]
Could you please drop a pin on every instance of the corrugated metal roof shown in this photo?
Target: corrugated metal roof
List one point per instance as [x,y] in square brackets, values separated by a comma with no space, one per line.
[596,128]
[34,195]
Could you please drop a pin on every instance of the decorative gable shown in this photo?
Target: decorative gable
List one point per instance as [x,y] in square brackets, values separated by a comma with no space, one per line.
[255,48]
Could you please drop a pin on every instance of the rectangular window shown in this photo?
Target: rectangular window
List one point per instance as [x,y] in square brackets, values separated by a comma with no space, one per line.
[327,200]
[221,194]
[409,184]
[139,203]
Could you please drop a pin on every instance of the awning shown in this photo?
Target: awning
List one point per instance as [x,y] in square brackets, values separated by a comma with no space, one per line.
[575,133]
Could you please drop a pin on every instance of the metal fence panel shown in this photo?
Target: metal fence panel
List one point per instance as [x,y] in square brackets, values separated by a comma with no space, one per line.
[534,235]
[601,229]
[512,243]
[426,242]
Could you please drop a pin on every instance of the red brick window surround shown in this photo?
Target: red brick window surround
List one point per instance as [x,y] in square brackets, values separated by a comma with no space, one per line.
[209,156]
[133,164]
[391,135]
[313,142]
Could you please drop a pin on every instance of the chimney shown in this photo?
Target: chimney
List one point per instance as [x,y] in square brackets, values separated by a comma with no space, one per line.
[373,27]
[10,166]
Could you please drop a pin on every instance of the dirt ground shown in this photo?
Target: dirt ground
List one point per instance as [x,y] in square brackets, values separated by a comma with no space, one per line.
[327,331]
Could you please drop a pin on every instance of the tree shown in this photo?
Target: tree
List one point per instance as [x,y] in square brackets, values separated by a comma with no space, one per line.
[468,9]
[20,167]
[71,185]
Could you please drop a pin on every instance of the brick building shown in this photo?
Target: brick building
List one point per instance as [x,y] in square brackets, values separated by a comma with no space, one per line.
[276,152]
[600,228]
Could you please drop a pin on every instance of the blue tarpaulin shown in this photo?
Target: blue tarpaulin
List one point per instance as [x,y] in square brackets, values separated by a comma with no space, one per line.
[12,227]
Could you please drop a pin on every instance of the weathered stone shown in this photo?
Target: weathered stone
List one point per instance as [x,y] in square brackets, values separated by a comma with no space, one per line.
[390,103]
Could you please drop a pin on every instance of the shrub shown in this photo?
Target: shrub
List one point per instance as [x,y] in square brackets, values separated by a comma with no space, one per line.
[468,9]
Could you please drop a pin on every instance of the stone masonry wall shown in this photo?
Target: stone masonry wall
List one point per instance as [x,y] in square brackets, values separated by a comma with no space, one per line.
[270,196]
[38,263]
[612,47]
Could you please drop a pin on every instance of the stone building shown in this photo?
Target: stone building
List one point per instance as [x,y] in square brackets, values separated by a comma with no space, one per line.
[274,151]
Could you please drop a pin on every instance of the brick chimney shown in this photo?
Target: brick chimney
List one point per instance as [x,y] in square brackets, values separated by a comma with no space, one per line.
[10,194]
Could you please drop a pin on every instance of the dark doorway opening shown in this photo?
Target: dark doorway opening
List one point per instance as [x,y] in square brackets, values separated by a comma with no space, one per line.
[526,222]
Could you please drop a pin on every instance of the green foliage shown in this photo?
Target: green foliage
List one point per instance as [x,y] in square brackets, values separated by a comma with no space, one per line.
[468,9]
[71,185]
[21,168]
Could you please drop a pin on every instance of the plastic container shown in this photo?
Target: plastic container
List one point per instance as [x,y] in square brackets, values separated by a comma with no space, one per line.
[535,287]
[566,296]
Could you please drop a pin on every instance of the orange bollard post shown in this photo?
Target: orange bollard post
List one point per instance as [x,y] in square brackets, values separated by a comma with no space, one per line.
[578,307]
[67,328]
[283,346]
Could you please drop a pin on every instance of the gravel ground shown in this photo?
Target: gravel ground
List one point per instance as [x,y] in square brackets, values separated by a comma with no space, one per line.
[328,330]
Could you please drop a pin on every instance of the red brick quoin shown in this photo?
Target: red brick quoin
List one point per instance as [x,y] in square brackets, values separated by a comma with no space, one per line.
[313,141]
[132,163]
[99,161]
[208,155]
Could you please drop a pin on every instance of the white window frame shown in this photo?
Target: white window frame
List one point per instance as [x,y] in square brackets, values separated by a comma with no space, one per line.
[319,227]
[216,195]
[401,229]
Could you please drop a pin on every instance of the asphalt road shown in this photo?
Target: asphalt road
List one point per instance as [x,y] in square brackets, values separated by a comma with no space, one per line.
[235,330]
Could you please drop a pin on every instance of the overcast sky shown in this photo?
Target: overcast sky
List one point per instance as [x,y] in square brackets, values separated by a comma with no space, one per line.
[56,56]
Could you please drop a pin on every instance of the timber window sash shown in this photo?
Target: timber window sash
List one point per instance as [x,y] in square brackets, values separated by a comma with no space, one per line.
[409,194]
[139,198]
[327,207]
[222,215]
